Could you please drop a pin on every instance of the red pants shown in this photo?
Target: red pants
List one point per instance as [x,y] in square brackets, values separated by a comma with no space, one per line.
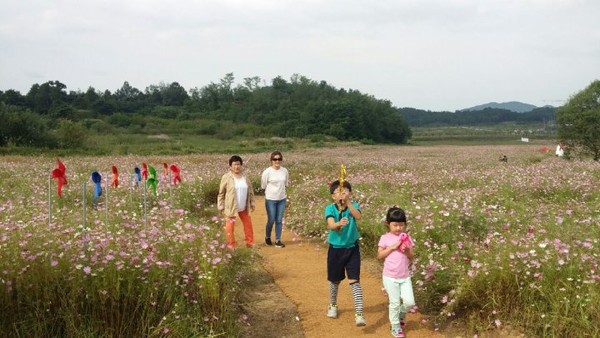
[248,231]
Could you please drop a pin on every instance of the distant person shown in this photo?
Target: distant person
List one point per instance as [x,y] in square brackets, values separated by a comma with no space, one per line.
[236,198]
[343,254]
[560,150]
[396,248]
[274,180]
[503,158]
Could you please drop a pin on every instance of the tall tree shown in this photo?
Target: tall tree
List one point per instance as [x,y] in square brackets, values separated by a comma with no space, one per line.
[174,95]
[12,97]
[42,98]
[579,121]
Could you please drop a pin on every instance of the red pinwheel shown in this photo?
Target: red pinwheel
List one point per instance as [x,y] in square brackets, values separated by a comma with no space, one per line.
[60,175]
[144,171]
[176,174]
[115,177]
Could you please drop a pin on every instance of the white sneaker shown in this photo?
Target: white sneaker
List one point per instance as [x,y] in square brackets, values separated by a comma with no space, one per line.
[360,320]
[332,311]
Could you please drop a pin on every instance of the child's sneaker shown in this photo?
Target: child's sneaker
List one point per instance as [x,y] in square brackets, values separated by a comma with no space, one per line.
[360,320]
[332,311]
[397,332]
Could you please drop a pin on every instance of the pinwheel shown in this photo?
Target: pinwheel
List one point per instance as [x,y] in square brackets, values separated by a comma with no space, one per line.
[115,177]
[166,171]
[138,175]
[97,179]
[176,174]
[144,171]
[60,174]
[406,241]
[152,181]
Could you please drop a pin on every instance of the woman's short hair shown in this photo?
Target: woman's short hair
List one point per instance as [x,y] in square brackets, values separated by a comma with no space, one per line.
[235,158]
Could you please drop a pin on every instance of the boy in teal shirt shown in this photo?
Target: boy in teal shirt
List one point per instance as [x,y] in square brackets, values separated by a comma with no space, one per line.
[343,254]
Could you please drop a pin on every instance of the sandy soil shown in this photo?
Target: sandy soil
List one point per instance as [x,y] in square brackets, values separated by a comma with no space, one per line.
[291,295]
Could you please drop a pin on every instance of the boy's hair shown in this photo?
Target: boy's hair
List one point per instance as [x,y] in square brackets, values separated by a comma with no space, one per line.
[335,184]
[235,158]
[395,214]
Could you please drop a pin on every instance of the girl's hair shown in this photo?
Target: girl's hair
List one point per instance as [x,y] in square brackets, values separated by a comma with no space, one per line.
[395,214]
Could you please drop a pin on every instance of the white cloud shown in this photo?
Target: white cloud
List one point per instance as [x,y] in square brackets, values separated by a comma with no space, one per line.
[437,55]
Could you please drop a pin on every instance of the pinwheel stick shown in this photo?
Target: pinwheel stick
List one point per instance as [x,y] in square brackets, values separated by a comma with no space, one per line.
[49,200]
[342,180]
[106,198]
[84,198]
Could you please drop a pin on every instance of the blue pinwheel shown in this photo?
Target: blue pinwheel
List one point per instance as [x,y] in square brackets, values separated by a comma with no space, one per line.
[138,175]
[97,179]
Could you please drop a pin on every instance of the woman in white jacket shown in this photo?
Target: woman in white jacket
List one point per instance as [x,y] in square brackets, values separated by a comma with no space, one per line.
[274,180]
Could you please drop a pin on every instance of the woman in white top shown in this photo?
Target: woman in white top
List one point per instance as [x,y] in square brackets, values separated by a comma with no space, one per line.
[274,180]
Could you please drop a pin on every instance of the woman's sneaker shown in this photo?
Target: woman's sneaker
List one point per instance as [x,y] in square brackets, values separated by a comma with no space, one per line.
[268,241]
[332,311]
[279,244]
[397,332]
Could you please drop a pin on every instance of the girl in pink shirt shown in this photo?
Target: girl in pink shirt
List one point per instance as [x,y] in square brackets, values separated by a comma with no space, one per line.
[396,247]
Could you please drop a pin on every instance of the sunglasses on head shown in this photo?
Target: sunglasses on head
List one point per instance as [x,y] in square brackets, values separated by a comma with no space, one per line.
[277,159]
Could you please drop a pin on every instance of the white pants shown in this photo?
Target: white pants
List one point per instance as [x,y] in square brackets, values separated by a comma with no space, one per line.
[401,297]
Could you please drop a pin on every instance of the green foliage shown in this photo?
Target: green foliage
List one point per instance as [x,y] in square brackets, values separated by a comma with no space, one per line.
[23,128]
[295,108]
[71,134]
[579,121]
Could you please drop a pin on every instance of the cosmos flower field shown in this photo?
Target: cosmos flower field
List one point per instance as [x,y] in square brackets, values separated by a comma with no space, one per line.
[498,244]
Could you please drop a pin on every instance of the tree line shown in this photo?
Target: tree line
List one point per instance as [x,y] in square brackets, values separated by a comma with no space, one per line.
[49,115]
[487,116]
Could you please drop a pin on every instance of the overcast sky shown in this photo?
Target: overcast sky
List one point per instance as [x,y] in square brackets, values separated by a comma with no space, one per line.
[427,54]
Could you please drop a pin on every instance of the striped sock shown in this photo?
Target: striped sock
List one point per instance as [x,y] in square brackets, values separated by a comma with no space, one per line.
[333,292]
[357,294]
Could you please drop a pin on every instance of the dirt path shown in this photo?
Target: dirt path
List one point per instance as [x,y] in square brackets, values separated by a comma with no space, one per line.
[299,270]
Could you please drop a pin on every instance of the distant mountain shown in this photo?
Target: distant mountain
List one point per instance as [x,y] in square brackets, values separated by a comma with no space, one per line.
[517,107]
